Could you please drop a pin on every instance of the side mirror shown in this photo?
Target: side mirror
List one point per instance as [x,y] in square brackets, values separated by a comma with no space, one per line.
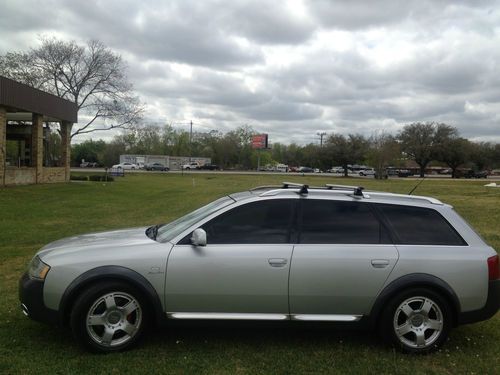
[199,237]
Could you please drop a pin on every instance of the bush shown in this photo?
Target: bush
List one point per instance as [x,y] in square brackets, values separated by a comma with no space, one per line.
[78,178]
[100,178]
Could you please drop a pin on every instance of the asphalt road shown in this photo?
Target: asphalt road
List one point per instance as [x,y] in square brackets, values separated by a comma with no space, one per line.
[193,172]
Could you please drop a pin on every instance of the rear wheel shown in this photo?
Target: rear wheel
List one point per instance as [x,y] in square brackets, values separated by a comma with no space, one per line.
[416,321]
[108,317]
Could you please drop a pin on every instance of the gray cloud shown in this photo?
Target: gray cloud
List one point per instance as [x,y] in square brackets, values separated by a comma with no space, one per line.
[291,68]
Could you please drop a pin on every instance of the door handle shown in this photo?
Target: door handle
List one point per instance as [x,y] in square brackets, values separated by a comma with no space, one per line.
[380,263]
[277,262]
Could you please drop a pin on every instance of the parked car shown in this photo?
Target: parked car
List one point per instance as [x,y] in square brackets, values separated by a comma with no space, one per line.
[335,170]
[404,173]
[192,165]
[156,167]
[88,164]
[305,170]
[476,174]
[367,172]
[125,166]
[409,265]
[210,167]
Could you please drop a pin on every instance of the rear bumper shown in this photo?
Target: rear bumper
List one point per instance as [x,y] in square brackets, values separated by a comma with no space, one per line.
[32,305]
[490,308]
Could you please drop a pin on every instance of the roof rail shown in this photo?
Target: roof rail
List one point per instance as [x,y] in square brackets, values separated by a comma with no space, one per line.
[358,190]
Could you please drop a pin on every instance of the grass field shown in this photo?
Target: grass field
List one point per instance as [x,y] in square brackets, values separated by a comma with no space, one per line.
[31,216]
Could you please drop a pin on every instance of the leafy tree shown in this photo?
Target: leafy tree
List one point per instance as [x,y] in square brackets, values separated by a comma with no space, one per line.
[90,76]
[346,150]
[422,141]
[91,151]
[455,152]
[383,150]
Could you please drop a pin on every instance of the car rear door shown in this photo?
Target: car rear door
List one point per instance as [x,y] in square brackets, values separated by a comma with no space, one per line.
[242,272]
[341,260]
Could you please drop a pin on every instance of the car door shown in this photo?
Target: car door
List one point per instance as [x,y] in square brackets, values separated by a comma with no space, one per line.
[341,261]
[242,272]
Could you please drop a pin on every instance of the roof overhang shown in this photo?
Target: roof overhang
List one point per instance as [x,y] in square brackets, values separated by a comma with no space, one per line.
[25,100]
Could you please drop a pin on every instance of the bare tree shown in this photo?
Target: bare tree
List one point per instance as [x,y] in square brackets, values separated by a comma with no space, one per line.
[91,76]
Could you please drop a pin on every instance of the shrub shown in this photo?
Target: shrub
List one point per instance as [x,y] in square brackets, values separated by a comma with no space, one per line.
[78,178]
[102,178]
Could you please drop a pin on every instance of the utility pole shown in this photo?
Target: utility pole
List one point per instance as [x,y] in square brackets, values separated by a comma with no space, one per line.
[190,139]
[321,135]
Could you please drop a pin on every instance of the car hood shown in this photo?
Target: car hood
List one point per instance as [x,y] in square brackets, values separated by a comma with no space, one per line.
[112,239]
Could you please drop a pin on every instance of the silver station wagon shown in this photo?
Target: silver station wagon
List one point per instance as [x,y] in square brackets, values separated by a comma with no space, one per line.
[408,266]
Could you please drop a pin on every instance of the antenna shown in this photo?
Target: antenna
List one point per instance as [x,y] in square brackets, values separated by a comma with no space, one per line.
[416,186]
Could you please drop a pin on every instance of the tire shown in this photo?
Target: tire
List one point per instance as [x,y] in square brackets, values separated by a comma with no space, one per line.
[416,321]
[118,314]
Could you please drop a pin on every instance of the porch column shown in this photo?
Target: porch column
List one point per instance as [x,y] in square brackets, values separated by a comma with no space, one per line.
[3,144]
[37,146]
[66,147]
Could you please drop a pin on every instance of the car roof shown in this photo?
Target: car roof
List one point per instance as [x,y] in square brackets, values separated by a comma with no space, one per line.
[341,192]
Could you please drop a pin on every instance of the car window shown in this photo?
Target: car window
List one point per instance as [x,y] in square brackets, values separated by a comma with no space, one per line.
[420,226]
[338,222]
[264,222]
[167,232]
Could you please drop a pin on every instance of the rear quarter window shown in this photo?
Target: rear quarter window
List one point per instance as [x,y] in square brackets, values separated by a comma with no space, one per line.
[420,226]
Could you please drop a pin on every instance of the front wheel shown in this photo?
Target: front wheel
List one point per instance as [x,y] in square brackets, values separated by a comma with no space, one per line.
[416,321]
[108,317]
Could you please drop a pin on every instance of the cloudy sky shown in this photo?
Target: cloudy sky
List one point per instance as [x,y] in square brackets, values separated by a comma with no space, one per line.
[291,68]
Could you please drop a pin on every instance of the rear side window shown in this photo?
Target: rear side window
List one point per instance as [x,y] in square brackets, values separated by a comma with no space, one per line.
[264,222]
[337,222]
[420,226]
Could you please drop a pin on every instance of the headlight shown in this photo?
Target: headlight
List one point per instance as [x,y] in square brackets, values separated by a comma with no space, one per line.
[37,269]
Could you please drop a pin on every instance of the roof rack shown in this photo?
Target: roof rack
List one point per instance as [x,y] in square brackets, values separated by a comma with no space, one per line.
[358,190]
[303,187]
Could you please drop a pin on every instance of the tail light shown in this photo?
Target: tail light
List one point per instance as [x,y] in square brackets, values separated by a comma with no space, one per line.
[493,268]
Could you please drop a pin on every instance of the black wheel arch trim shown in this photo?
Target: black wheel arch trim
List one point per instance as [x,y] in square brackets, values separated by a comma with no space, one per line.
[415,280]
[110,273]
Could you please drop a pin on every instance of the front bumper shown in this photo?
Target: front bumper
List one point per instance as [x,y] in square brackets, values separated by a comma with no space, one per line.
[490,308]
[31,298]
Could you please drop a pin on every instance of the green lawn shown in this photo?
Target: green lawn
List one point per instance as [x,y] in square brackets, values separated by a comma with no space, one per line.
[31,216]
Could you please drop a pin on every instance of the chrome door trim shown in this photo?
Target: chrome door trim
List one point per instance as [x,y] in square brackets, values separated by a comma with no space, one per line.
[326,317]
[226,316]
[257,316]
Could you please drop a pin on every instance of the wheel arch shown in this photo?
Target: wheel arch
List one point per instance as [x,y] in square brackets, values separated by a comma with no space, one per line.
[110,273]
[416,280]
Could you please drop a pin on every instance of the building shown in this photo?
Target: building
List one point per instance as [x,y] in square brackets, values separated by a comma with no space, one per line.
[172,162]
[25,113]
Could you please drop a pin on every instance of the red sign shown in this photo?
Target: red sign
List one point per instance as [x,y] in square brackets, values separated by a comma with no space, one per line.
[259,141]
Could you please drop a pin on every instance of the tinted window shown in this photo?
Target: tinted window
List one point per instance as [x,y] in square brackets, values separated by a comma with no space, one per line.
[340,223]
[259,222]
[420,226]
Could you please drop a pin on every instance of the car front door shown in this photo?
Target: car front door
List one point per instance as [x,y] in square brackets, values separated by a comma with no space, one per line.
[342,259]
[241,273]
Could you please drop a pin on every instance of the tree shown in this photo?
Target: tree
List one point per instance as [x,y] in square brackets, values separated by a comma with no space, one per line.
[91,151]
[454,153]
[346,150]
[383,150]
[422,141]
[90,76]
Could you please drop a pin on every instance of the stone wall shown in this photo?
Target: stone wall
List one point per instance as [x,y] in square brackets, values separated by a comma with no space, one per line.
[53,175]
[20,176]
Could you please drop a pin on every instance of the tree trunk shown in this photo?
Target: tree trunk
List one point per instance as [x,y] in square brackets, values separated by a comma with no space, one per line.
[422,171]
[346,174]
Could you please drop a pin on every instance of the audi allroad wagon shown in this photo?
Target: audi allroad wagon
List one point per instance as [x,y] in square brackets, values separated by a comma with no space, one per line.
[409,266]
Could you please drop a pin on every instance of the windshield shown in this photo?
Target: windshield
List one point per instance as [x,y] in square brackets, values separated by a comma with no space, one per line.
[167,232]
